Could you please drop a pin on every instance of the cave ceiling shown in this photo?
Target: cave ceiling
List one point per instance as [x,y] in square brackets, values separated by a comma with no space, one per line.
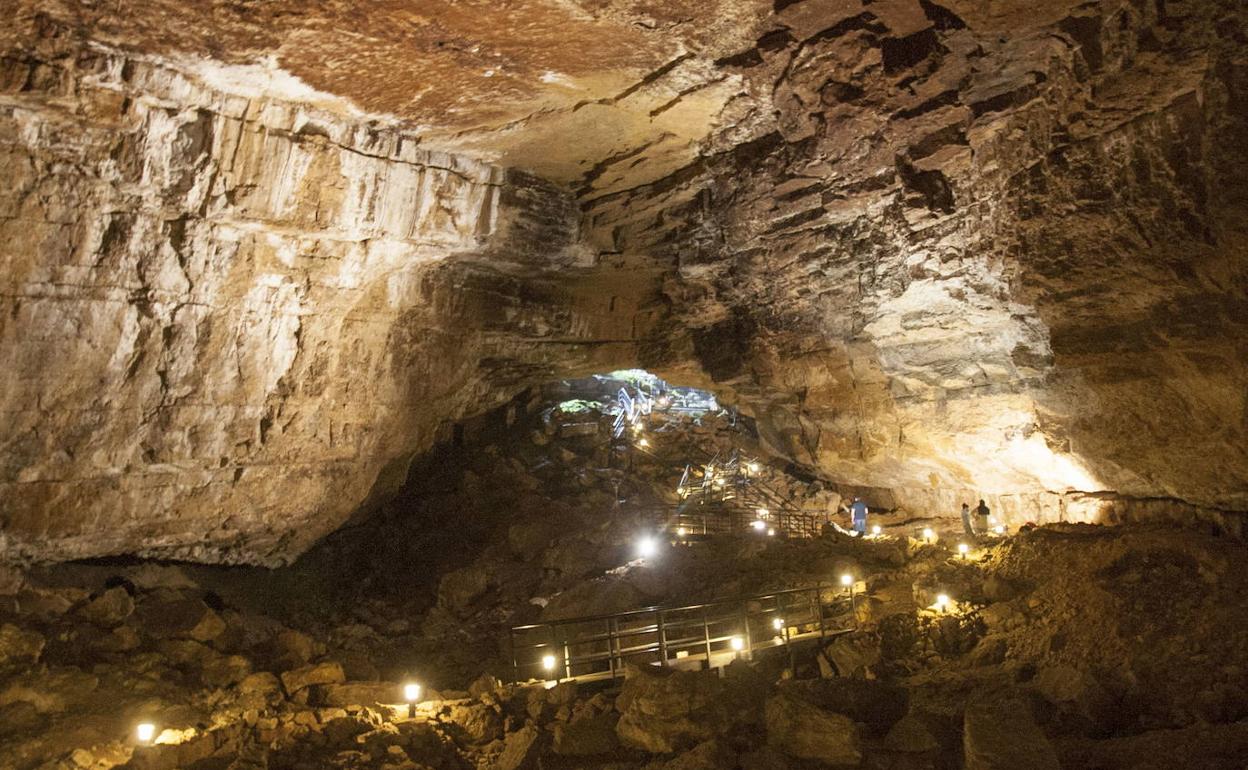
[259,255]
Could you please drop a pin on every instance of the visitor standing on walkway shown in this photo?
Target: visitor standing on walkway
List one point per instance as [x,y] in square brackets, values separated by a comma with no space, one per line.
[967,529]
[981,517]
[858,512]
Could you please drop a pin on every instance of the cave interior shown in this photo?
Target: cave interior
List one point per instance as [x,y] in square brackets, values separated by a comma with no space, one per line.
[623,384]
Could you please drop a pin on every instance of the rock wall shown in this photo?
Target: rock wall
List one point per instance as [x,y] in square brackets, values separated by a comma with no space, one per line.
[227,320]
[981,251]
[938,250]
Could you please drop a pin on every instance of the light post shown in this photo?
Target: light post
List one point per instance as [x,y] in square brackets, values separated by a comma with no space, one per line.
[411,694]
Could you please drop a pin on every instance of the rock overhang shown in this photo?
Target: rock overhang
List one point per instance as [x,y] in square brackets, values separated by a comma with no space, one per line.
[906,235]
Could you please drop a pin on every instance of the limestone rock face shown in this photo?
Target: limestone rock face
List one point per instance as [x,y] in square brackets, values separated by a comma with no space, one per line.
[985,250]
[254,259]
[229,320]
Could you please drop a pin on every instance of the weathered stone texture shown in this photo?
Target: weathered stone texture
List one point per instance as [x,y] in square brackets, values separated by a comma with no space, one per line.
[980,254]
[227,321]
[941,251]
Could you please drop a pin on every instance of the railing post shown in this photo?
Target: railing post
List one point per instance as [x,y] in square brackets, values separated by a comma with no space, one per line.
[706,636]
[745,622]
[614,646]
[818,605]
[662,641]
[610,648]
[553,646]
[511,647]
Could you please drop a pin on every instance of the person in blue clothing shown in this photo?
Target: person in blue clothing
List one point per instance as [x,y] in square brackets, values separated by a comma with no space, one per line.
[858,513]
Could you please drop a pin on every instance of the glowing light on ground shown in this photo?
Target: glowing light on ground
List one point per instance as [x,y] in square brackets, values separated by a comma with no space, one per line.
[647,547]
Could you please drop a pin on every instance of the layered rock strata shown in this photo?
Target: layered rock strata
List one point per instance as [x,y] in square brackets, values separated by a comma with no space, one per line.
[979,254]
[940,251]
[230,320]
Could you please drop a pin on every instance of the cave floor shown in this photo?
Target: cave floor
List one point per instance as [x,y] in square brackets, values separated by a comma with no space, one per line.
[1069,645]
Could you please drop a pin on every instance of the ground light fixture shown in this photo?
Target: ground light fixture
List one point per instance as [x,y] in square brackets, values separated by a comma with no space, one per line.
[643,442]
[752,467]
[759,525]
[145,732]
[942,602]
[1000,530]
[681,531]
[548,663]
[963,548]
[771,532]
[736,643]
[411,694]
[778,624]
[647,547]
[876,530]
[928,534]
[847,580]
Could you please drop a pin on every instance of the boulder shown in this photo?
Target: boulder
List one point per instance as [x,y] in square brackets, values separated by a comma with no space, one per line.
[180,619]
[50,692]
[911,735]
[1000,734]
[708,755]
[1073,693]
[362,694]
[587,736]
[295,648]
[483,685]
[328,672]
[520,750]
[18,645]
[472,723]
[850,655]
[668,711]
[459,589]
[225,670]
[875,705]
[110,608]
[800,729]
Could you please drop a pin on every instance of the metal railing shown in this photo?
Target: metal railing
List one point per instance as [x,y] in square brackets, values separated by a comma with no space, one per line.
[708,635]
[717,520]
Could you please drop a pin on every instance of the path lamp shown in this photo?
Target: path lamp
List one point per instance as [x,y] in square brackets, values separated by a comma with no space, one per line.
[145,733]
[647,547]
[942,602]
[929,535]
[876,530]
[963,548]
[548,665]
[411,694]
[847,580]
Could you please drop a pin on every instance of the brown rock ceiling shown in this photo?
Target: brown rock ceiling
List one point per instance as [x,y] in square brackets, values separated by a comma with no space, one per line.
[258,255]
